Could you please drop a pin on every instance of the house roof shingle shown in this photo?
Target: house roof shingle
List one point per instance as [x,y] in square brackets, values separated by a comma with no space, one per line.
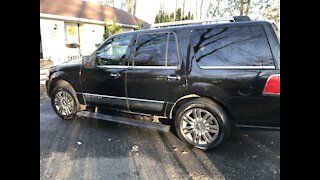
[87,10]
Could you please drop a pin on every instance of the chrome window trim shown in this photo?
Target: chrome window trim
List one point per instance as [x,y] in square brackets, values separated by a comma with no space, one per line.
[153,67]
[113,66]
[124,98]
[240,67]
[167,45]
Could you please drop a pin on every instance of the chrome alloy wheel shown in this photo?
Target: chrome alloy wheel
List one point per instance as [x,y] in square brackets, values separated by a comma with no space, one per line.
[64,103]
[199,126]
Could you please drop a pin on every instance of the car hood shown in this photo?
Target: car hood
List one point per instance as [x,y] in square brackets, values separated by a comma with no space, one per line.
[65,66]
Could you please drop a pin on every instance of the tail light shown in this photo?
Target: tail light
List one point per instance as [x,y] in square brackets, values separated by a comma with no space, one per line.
[272,85]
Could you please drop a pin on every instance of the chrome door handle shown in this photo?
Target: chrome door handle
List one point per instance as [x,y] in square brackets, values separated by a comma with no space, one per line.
[173,78]
[115,75]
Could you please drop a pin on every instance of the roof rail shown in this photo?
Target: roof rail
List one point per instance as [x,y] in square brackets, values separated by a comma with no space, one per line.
[202,21]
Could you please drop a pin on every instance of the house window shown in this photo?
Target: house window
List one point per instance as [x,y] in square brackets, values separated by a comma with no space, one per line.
[72,34]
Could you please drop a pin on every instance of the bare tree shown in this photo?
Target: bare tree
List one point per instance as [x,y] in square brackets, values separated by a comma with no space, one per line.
[248,7]
[175,11]
[201,3]
[241,7]
[244,7]
[214,9]
[162,6]
[129,6]
[134,7]
[238,7]
[183,7]
[272,13]
[196,9]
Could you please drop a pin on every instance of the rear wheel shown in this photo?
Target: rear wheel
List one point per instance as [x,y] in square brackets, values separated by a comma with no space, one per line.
[65,102]
[202,123]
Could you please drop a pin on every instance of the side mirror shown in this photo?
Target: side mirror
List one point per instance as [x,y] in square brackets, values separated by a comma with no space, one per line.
[88,61]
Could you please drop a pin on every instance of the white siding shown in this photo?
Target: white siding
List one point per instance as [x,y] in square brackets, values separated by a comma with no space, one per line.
[53,40]
[90,35]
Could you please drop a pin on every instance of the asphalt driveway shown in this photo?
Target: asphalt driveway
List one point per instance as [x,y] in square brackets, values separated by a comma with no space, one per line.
[96,149]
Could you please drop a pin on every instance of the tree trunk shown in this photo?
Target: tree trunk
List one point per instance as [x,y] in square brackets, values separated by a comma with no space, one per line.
[201,8]
[248,7]
[162,6]
[183,8]
[241,7]
[129,6]
[215,10]
[134,7]
[196,9]
[175,12]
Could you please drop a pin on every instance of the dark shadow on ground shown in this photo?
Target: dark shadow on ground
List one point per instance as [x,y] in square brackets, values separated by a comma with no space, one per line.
[105,152]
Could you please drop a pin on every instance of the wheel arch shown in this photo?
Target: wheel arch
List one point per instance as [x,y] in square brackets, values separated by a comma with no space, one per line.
[58,82]
[189,97]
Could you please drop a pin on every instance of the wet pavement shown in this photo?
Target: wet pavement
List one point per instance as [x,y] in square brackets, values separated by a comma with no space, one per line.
[96,149]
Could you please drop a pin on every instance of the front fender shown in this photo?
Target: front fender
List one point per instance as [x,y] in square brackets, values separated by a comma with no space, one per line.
[53,78]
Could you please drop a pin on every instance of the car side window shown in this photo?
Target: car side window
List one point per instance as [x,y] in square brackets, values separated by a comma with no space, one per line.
[113,52]
[150,50]
[157,49]
[172,57]
[231,46]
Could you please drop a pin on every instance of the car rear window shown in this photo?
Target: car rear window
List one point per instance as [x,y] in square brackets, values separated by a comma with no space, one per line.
[231,46]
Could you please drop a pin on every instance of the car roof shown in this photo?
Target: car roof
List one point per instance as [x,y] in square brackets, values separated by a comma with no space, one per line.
[184,27]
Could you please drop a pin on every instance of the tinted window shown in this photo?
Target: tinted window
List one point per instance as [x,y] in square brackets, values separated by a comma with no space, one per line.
[151,49]
[156,50]
[172,59]
[113,52]
[232,46]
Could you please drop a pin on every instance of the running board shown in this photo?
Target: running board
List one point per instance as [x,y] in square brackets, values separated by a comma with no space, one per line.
[123,120]
[258,127]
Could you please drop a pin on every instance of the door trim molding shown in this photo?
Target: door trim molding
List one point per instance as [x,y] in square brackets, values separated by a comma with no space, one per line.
[123,98]
[240,67]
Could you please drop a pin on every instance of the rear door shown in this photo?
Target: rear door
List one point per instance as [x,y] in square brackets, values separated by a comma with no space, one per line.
[155,74]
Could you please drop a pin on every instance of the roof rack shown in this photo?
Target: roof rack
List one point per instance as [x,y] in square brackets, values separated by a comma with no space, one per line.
[203,21]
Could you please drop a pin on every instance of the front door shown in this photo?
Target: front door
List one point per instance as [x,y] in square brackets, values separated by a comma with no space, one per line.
[155,74]
[104,84]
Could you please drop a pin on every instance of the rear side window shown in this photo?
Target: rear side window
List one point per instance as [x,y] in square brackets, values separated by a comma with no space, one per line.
[158,49]
[172,56]
[231,46]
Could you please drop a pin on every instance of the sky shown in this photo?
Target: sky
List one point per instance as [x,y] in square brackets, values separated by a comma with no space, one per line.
[147,9]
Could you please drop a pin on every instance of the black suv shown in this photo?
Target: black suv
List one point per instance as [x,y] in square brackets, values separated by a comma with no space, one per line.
[203,77]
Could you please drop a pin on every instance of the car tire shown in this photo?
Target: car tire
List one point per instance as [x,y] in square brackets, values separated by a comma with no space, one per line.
[202,123]
[64,102]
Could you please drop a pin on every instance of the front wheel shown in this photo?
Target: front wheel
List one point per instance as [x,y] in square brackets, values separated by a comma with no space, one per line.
[202,123]
[64,102]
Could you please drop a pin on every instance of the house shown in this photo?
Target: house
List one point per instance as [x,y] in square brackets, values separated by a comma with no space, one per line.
[71,27]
